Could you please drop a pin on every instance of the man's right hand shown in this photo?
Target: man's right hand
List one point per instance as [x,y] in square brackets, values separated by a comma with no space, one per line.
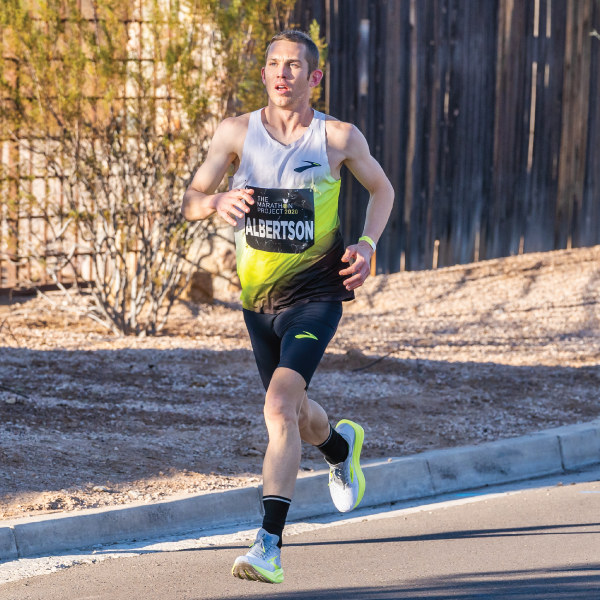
[233,203]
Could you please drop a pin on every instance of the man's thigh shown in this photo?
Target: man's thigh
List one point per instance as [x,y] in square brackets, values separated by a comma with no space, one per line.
[305,332]
[266,344]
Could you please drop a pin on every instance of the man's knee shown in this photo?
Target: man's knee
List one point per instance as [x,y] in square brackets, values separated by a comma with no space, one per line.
[284,398]
[280,409]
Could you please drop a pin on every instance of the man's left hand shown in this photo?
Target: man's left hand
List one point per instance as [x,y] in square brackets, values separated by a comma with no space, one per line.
[361,267]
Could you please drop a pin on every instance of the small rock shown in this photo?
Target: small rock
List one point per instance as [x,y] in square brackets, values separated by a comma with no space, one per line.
[559,484]
[55,504]
[355,353]
[160,473]
[133,494]
[251,452]
[356,358]
[100,488]
[200,289]
[10,400]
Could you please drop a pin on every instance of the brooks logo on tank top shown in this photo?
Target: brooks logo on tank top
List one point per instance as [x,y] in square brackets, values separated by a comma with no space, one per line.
[289,246]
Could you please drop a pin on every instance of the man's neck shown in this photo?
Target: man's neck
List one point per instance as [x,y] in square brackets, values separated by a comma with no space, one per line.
[287,123]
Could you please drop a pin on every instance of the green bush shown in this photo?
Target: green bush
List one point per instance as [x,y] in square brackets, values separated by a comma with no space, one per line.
[115,109]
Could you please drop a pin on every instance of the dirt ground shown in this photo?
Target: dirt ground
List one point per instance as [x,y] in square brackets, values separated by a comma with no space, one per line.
[423,360]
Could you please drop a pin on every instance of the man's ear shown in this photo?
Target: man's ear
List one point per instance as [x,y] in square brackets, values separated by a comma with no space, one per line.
[314,79]
[262,75]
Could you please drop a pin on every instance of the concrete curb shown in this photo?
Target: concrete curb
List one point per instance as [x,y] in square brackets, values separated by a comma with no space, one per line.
[391,480]
[68,531]
[8,544]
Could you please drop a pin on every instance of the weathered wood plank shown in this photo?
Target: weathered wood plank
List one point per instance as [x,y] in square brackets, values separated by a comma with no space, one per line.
[484,115]
[590,213]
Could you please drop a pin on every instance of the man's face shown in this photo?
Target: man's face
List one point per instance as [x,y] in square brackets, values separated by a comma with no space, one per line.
[286,75]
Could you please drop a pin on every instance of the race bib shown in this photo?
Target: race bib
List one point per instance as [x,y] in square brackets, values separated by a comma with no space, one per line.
[281,220]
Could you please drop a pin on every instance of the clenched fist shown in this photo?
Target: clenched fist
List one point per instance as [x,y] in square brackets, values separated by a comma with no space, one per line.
[232,204]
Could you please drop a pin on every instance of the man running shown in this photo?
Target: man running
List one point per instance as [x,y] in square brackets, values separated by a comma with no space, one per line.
[283,206]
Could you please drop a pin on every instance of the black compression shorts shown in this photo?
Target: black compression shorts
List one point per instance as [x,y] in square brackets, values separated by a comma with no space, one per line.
[295,338]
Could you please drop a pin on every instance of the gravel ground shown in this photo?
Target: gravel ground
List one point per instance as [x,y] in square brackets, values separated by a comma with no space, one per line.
[423,360]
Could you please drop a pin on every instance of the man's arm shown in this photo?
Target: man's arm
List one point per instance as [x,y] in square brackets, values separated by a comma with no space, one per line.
[369,173]
[200,200]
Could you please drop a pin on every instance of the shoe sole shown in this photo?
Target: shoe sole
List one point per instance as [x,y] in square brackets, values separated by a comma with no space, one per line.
[359,438]
[244,570]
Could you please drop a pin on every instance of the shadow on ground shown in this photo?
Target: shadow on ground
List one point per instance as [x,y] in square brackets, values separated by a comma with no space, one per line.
[569,583]
[470,534]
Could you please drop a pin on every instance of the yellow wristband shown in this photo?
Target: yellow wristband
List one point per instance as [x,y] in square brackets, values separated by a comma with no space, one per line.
[369,241]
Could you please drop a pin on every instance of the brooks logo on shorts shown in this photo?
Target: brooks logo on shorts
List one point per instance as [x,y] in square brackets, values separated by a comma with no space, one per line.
[308,335]
[310,165]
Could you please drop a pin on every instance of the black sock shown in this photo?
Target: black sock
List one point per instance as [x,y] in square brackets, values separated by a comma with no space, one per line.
[335,448]
[276,510]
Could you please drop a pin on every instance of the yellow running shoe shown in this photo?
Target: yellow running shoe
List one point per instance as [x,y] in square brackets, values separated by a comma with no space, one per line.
[346,480]
[262,562]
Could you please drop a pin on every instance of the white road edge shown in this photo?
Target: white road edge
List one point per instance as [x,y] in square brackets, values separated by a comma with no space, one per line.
[14,570]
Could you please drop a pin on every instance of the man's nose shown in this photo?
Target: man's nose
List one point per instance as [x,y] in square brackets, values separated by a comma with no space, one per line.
[283,71]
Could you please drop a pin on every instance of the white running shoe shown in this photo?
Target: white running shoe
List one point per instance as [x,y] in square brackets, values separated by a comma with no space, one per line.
[346,480]
[262,562]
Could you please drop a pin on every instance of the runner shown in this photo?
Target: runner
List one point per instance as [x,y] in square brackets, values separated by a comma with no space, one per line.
[283,205]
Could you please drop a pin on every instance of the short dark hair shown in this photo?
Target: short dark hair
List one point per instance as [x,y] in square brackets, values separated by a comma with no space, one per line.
[293,35]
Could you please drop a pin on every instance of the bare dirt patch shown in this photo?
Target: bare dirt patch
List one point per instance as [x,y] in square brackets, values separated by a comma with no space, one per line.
[423,360]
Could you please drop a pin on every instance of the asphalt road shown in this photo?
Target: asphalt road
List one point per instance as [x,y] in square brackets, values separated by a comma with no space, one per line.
[536,544]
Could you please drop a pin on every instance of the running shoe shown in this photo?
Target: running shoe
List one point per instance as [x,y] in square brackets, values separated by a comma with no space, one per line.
[346,480]
[262,562]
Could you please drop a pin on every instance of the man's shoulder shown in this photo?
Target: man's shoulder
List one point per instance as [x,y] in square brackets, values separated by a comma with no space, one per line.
[340,135]
[231,133]
[234,124]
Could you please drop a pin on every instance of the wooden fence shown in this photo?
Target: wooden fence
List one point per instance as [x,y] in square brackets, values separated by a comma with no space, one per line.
[484,114]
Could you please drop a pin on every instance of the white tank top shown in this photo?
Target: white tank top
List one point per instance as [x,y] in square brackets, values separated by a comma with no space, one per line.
[289,245]
[267,163]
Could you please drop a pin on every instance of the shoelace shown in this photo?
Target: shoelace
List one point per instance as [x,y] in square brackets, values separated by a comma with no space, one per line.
[338,473]
[261,550]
